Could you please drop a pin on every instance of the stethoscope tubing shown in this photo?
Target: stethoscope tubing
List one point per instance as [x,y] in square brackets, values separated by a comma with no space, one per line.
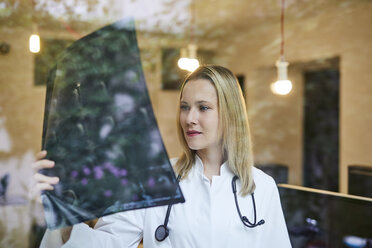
[162,231]
[244,219]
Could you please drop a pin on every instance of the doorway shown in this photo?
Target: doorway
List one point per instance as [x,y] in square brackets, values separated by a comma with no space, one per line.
[321,129]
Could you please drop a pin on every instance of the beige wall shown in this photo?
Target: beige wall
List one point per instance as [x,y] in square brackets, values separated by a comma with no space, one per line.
[21,107]
[276,121]
[21,112]
[344,31]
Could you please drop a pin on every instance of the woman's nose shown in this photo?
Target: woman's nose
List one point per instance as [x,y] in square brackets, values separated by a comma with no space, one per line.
[192,116]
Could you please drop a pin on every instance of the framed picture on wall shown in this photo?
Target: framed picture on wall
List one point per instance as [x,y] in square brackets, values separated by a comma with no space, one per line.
[46,58]
[172,75]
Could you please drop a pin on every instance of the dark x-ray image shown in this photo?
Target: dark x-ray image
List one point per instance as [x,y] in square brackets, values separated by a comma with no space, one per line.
[100,129]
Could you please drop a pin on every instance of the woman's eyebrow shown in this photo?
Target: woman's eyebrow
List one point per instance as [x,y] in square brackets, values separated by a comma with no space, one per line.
[202,101]
[197,102]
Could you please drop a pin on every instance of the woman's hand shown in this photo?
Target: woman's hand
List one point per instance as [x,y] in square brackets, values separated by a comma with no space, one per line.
[46,183]
[43,182]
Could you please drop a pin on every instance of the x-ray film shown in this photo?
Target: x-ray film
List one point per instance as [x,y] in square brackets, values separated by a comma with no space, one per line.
[100,129]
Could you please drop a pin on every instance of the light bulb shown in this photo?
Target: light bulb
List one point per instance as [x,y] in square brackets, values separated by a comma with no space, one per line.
[281,87]
[192,64]
[183,63]
[34,43]
[189,63]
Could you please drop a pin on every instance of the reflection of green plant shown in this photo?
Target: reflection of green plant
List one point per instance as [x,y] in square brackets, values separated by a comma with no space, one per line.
[51,48]
[101,132]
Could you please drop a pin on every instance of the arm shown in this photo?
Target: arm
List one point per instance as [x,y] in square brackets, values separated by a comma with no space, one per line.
[118,230]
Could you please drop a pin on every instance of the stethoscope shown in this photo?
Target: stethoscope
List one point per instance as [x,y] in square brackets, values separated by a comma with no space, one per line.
[162,231]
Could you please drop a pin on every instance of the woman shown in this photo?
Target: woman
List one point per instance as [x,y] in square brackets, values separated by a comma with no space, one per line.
[214,133]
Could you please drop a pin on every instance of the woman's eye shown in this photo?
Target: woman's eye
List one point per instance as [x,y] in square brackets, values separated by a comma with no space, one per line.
[203,108]
[184,107]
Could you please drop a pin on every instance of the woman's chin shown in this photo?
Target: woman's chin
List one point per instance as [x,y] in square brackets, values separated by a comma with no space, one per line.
[193,147]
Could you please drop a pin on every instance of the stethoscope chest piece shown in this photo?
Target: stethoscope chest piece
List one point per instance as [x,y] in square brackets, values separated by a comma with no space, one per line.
[161,233]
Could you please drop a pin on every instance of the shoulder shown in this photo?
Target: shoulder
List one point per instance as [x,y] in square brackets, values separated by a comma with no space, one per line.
[262,180]
[266,188]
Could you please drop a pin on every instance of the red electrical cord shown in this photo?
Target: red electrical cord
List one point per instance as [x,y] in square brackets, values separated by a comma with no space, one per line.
[282,32]
[70,29]
[193,13]
[65,24]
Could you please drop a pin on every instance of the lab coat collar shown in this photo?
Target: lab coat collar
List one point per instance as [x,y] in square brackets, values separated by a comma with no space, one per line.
[224,169]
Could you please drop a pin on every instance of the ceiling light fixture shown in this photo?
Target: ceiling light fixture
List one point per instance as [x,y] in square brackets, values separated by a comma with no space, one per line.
[34,43]
[282,86]
[188,60]
[34,40]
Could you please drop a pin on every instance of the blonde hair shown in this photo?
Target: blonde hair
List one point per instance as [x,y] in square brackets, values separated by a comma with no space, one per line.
[234,128]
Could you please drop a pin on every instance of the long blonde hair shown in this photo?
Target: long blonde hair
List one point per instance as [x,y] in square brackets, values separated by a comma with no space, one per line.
[234,128]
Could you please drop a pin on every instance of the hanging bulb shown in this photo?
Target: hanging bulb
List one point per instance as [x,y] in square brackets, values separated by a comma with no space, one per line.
[192,65]
[189,63]
[193,62]
[183,61]
[192,50]
[282,86]
[34,43]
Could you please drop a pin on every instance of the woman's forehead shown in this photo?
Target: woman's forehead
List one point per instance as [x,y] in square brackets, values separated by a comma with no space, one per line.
[199,90]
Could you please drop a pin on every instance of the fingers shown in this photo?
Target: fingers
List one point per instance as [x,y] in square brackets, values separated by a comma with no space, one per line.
[40,178]
[41,155]
[44,186]
[43,182]
[42,164]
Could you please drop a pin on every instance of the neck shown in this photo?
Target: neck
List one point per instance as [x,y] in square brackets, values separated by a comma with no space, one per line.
[212,161]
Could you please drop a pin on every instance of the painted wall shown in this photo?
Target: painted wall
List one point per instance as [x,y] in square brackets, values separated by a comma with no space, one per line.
[344,31]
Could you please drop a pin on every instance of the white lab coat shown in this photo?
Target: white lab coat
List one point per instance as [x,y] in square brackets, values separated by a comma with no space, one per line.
[208,218]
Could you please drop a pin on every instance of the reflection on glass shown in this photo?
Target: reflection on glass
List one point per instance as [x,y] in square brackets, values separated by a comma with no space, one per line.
[100,130]
[34,43]
[319,219]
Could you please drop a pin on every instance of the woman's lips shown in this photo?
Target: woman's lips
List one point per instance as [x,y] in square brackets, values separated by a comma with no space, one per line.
[192,133]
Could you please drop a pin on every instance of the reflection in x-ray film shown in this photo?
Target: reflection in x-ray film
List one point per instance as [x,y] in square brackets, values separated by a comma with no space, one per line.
[100,129]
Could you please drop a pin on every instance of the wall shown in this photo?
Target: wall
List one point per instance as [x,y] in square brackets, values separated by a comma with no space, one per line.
[21,112]
[341,30]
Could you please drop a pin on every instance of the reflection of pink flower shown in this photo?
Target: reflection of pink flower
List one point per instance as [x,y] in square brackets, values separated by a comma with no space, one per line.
[86,171]
[151,182]
[123,172]
[124,182]
[135,197]
[114,171]
[108,165]
[98,172]
[108,193]
[84,181]
[74,173]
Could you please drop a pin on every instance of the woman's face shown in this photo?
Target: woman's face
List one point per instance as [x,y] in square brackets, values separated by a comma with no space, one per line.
[199,115]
